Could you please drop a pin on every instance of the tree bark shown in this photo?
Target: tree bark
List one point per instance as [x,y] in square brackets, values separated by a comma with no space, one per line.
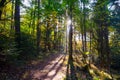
[12,15]
[70,36]
[38,28]
[17,22]
[84,27]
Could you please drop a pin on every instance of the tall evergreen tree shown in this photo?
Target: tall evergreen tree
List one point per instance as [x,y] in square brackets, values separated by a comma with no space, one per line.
[101,19]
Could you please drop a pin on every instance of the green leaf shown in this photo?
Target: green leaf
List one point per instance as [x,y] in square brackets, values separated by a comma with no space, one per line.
[87,53]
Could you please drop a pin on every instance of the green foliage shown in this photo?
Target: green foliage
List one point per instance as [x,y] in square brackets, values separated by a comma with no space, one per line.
[27,46]
[115,17]
[115,51]
[115,43]
[9,49]
[8,45]
[87,53]
[96,78]
[50,14]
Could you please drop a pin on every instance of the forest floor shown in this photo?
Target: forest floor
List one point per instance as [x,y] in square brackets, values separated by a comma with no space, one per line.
[52,68]
[56,66]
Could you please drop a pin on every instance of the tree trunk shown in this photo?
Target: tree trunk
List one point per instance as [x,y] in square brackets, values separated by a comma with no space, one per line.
[70,36]
[84,28]
[17,22]
[90,41]
[55,36]
[47,43]
[82,33]
[12,15]
[33,21]
[4,20]
[100,45]
[38,29]
[107,49]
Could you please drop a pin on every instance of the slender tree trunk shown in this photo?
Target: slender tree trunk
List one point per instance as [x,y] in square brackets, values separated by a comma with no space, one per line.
[82,38]
[5,20]
[74,37]
[12,15]
[84,27]
[66,32]
[47,36]
[70,36]
[33,21]
[58,39]
[17,22]
[107,53]
[55,32]
[38,29]
[30,22]
[66,40]
[82,33]
[100,45]
[90,41]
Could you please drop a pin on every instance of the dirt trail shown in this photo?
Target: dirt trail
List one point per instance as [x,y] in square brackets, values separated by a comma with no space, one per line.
[53,68]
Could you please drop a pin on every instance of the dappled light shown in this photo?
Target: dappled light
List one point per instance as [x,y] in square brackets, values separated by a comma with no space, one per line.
[59,39]
[47,70]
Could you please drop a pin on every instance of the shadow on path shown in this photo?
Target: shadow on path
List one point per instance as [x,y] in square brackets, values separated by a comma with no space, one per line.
[71,72]
[52,68]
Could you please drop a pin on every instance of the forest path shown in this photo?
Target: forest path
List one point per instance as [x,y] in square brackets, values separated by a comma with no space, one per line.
[53,68]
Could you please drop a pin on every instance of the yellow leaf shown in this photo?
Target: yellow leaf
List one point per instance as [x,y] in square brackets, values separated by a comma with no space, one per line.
[87,53]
